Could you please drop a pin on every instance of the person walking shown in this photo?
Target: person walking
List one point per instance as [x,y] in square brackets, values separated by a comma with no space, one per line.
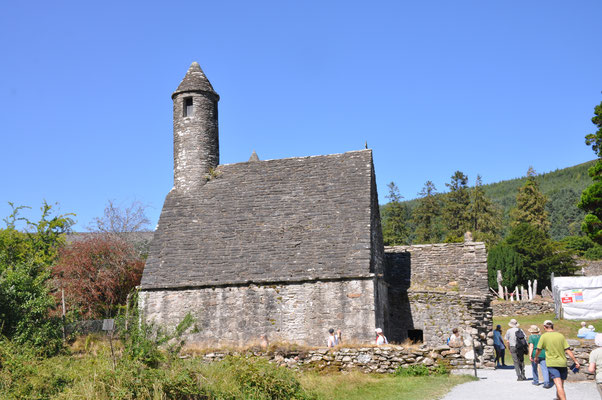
[533,340]
[514,341]
[331,342]
[380,337]
[595,363]
[556,346]
[498,345]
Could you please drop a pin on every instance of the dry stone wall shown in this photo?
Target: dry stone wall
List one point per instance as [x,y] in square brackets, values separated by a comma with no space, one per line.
[296,313]
[385,359]
[503,308]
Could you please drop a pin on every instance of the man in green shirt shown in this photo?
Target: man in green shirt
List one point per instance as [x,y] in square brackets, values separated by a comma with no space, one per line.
[556,346]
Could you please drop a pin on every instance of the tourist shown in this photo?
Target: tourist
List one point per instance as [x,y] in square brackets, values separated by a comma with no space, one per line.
[331,339]
[555,345]
[498,345]
[583,330]
[264,342]
[338,339]
[595,363]
[380,337]
[591,333]
[533,340]
[518,353]
[455,340]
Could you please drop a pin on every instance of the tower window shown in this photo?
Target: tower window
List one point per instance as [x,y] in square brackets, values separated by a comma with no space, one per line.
[187,107]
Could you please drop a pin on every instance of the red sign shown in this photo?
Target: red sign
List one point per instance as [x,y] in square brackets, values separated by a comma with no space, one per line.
[567,299]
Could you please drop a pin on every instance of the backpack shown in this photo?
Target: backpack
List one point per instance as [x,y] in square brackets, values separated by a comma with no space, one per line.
[521,342]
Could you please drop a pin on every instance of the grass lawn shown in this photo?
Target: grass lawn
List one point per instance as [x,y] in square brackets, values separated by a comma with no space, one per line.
[359,386]
[567,328]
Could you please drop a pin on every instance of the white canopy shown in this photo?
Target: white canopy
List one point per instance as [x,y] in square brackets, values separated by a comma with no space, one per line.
[578,297]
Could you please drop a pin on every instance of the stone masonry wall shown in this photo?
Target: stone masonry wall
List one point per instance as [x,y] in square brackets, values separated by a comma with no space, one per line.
[509,308]
[461,267]
[296,313]
[384,359]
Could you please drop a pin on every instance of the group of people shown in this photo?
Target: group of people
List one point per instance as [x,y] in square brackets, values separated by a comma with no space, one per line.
[586,332]
[335,338]
[547,351]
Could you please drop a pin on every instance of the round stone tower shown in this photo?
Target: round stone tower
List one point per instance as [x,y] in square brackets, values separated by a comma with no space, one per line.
[195,130]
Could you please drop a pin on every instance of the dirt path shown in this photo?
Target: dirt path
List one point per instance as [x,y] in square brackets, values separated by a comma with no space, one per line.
[502,384]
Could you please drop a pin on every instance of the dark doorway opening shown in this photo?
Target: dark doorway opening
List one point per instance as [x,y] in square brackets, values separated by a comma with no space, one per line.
[415,335]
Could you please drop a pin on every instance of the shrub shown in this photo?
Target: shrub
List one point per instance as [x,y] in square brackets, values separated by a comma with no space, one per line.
[594,253]
[580,244]
[412,370]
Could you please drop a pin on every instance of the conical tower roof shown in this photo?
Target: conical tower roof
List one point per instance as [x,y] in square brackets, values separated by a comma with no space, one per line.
[254,157]
[195,81]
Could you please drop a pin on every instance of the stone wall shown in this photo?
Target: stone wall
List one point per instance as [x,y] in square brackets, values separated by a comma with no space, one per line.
[581,349]
[293,312]
[435,288]
[384,359]
[503,308]
[460,267]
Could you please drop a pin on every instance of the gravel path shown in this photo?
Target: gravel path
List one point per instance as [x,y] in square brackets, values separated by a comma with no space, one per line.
[502,384]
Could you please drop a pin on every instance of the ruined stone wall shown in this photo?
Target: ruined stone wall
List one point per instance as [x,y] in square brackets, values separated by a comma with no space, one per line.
[460,267]
[293,312]
[435,288]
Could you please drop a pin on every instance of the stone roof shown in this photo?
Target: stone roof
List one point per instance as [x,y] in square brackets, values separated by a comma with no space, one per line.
[195,81]
[286,220]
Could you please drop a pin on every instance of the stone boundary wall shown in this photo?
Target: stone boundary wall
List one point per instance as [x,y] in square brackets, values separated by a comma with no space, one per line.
[581,349]
[384,359]
[503,308]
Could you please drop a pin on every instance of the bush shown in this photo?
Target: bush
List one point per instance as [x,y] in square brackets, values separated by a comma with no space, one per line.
[412,370]
[580,244]
[595,253]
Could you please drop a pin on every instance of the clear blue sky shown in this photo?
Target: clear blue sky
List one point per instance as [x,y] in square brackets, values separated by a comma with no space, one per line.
[483,87]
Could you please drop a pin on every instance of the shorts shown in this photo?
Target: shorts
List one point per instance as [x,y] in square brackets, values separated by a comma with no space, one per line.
[558,372]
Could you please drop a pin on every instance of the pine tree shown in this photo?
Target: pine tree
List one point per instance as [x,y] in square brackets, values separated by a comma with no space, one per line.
[485,217]
[396,217]
[591,198]
[530,205]
[504,258]
[426,215]
[455,210]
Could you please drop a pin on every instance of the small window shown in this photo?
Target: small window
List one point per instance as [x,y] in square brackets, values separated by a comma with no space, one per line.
[187,106]
[415,335]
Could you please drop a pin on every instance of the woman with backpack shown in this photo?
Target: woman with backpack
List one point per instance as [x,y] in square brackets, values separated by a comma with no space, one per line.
[517,343]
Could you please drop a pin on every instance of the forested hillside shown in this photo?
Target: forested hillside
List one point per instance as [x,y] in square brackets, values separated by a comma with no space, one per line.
[562,188]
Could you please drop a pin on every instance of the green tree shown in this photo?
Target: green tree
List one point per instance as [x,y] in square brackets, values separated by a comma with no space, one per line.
[540,255]
[591,198]
[504,258]
[26,258]
[485,217]
[426,215]
[530,204]
[396,217]
[456,207]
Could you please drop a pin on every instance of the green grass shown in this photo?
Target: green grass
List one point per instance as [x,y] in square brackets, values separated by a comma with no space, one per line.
[359,386]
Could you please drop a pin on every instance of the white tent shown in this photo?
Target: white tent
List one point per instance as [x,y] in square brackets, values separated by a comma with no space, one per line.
[578,297]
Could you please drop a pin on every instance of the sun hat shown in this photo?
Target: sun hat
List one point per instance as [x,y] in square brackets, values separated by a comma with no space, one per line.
[534,329]
[598,339]
[378,330]
[591,328]
[548,322]
[513,323]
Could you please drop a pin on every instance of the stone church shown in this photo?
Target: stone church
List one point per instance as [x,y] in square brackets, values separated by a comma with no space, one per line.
[291,247]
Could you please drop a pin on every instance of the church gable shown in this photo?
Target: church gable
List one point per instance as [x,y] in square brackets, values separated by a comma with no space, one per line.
[287,220]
